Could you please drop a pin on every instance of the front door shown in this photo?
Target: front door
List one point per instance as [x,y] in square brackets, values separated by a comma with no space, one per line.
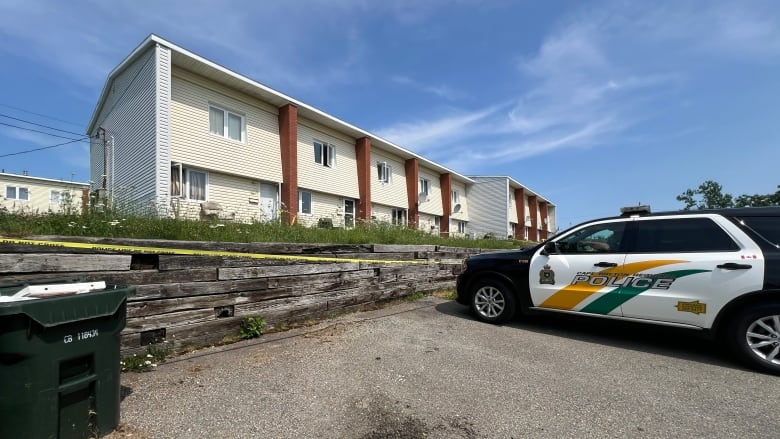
[268,202]
[584,274]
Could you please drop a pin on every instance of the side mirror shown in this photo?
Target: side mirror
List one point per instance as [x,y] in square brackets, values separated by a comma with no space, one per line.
[549,248]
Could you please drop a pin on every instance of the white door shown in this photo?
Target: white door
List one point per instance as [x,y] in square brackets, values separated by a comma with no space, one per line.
[269,196]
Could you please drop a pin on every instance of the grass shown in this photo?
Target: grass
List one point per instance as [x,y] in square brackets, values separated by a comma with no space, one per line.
[97,224]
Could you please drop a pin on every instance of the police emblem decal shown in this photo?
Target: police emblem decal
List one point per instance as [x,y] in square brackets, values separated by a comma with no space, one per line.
[546,275]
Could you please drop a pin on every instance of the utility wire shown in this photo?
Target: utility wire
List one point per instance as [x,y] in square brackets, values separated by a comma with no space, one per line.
[40,149]
[39,114]
[44,132]
[41,125]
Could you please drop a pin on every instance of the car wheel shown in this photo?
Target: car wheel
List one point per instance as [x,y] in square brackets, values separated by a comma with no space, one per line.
[755,337]
[492,301]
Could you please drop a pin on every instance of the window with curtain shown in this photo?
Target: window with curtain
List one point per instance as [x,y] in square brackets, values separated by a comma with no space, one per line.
[196,185]
[188,183]
[226,123]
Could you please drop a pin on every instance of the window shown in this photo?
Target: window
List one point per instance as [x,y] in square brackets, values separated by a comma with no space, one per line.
[385,172]
[425,187]
[437,222]
[226,124]
[399,217]
[455,197]
[682,235]
[597,238]
[17,193]
[54,197]
[325,154]
[768,227]
[188,183]
[461,227]
[304,202]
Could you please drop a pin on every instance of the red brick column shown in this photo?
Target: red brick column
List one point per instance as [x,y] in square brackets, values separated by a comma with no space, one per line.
[363,154]
[520,208]
[288,140]
[85,201]
[533,207]
[412,194]
[446,203]
[543,213]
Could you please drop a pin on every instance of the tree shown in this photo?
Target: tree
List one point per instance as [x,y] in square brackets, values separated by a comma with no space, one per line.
[759,200]
[709,195]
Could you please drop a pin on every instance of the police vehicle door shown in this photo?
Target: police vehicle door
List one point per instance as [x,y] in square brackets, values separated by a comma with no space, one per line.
[686,268]
[581,274]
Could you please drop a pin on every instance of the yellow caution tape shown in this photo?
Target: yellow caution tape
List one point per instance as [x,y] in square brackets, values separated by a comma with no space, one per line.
[190,252]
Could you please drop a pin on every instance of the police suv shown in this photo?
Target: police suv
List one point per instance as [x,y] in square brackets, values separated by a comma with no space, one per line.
[713,270]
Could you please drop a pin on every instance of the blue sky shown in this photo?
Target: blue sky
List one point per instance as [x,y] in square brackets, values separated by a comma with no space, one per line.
[593,104]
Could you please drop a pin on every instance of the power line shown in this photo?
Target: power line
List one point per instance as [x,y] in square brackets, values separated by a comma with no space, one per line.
[40,149]
[41,125]
[42,115]
[44,132]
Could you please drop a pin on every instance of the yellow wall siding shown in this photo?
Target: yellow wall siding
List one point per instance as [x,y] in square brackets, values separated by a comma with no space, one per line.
[512,207]
[323,205]
[192,144]
[381,213]
[236,195]
[427,224]
[434,204]
[338,180]
[39,195]
[393,193]
[463,213]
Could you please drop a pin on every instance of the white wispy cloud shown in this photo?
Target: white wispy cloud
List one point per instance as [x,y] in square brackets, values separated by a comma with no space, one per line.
[593,77]
[440,90]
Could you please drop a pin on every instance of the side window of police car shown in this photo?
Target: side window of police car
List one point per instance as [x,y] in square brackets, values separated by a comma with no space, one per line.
[681,235]
[598,238]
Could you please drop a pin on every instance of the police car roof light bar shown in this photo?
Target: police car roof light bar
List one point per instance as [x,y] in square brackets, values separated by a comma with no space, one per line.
[635,210]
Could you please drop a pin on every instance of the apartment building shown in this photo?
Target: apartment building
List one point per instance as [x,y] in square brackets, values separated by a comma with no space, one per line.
[182,135]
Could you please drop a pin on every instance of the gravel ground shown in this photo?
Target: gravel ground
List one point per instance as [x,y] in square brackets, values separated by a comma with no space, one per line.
[427,369]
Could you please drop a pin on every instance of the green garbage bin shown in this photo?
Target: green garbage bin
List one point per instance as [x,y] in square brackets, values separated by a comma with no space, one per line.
[59,359]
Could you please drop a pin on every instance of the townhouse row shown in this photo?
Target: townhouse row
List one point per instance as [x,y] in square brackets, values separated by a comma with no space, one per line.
[183,136]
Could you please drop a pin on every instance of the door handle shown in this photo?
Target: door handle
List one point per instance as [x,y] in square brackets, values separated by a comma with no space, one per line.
[605,264]
[733,266]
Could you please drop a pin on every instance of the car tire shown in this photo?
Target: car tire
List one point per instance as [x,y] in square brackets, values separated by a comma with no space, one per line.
[754,336]
[493,301]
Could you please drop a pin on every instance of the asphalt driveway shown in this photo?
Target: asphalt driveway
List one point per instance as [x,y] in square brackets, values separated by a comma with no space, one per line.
[428,369]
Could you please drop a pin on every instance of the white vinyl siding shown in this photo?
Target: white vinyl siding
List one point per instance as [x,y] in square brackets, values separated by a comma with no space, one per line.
[338,179]
[258,158]
[462,213]
[394,192]
[129,116]
[433,206]
[488,198]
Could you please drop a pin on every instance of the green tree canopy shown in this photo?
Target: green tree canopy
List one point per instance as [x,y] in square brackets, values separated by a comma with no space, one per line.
[709,195]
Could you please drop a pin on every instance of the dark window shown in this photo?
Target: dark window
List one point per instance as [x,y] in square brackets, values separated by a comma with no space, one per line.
[766,226]
[681,235]
[598,238]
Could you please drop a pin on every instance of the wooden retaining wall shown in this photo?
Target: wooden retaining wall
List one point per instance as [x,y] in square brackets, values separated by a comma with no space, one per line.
[194,301]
